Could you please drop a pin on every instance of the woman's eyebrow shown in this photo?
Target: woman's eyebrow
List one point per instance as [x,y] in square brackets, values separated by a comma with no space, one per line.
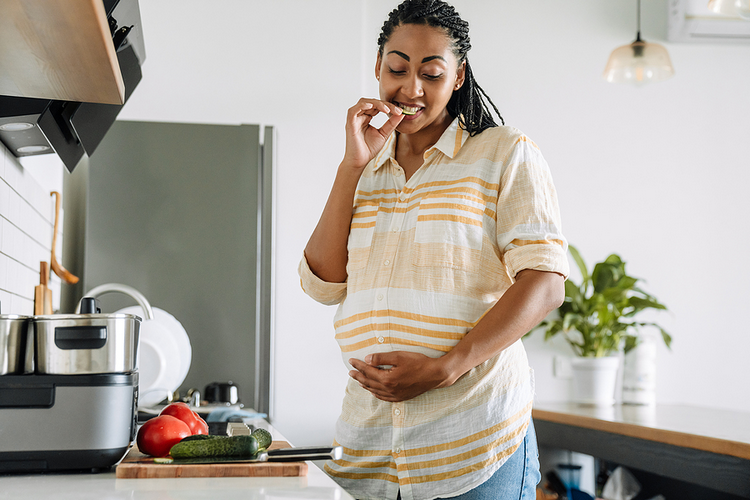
[426,59]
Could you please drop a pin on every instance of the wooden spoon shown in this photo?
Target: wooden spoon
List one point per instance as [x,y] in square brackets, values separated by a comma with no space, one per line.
[59,270]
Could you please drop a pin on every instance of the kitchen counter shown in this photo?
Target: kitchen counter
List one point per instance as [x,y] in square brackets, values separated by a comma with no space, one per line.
[105,486]
[706,447]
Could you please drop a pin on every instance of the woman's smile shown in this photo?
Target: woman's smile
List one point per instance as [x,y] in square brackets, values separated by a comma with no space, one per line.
[418,72]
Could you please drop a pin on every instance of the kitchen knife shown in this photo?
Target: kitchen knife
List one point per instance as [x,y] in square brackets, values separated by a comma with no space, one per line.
[277,455]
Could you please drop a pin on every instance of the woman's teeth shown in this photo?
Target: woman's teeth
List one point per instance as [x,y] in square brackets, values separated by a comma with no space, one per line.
[408,110]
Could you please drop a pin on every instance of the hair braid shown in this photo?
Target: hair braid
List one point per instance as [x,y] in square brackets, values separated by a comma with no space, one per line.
[468,103]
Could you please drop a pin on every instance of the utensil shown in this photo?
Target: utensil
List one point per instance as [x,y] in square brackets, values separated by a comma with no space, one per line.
[277,455]
[222,392]
[42,293]
[13,337]
[86,343]
[58,269]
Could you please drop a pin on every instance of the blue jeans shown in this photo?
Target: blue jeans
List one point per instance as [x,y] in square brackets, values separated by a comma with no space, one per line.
[516,479]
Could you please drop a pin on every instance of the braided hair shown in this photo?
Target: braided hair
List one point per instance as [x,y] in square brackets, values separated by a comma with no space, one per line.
[468,102]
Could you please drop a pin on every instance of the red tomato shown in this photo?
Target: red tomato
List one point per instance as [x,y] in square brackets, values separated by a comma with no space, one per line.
[157,436]
[192,419]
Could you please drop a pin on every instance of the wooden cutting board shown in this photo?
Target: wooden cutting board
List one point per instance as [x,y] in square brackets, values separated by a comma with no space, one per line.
[136,465]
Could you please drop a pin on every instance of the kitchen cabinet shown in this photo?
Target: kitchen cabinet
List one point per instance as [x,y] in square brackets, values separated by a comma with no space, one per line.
[316,485]
[679,451]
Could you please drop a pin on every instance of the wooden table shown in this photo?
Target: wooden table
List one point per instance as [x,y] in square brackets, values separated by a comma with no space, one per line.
[698,451]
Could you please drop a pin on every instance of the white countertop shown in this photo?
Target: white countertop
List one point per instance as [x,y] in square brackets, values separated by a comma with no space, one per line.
[105,486]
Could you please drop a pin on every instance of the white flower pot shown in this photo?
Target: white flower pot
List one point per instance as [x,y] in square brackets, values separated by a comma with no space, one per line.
[594,380]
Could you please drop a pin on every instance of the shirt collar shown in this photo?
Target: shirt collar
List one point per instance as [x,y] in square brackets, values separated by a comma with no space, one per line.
[449,143]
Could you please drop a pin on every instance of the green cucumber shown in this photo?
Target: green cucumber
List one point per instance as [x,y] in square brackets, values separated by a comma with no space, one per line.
[198,437]
[264,438]
[217,446]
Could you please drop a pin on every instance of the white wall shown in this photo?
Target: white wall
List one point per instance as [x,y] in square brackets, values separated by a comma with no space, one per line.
[27,215]
[654,174]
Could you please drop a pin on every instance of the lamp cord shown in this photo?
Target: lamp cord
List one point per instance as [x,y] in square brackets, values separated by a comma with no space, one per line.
[638,36]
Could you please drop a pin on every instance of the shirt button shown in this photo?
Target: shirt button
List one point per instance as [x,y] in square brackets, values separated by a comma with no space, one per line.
[398,173]
[402,197]
[381,339]
[380,296]
[386,262]
[398,450]
[397,411]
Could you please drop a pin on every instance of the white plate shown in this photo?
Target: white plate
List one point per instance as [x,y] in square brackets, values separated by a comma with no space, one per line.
[164,355]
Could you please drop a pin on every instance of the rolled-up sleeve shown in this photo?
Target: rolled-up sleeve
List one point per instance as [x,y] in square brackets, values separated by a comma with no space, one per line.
[529,232]
[322,291]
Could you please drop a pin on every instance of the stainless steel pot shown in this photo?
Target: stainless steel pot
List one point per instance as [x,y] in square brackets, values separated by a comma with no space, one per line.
[86,343]
[14,335]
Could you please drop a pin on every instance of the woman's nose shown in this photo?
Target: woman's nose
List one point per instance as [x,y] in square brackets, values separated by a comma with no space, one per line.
[413,88]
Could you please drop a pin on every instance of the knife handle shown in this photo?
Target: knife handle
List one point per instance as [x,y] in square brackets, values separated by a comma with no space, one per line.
[305,453]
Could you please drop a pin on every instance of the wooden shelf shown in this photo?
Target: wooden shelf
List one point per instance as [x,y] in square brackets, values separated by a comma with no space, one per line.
[703,446]
[58,50]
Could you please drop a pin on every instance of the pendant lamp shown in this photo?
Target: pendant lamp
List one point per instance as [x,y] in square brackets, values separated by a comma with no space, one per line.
[731,8]
[638,62]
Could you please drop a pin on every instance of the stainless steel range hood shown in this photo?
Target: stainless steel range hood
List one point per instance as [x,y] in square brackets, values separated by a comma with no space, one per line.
[66,70]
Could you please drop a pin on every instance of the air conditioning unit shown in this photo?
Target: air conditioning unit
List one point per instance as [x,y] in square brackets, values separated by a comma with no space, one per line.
[692,21]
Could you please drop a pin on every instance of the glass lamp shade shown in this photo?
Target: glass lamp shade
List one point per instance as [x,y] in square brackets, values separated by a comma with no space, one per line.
[638,63]
[731,8]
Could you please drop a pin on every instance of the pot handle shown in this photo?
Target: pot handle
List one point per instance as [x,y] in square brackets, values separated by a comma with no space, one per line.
[127,290]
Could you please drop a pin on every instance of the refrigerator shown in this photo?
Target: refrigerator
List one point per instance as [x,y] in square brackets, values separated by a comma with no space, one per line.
[182,212]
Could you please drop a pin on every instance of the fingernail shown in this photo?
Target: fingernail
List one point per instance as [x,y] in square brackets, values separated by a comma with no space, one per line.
[368,358]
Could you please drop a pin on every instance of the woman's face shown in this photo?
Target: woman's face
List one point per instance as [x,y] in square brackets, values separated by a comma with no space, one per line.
[419,72]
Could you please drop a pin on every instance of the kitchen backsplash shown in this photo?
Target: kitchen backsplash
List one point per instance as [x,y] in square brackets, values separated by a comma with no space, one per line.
[27,213]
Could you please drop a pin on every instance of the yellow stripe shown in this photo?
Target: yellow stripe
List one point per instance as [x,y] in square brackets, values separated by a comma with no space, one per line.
[450,218]
[457,145]
[520,243]
[451,206]
[363,225]
[422,318]
[471,438]
[361,475]
[384,327]
[464,180]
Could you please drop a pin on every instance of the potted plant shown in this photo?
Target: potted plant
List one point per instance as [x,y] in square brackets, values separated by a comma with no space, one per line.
[597,320]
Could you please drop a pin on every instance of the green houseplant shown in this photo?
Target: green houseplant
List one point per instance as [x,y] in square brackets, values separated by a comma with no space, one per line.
[597,316]
[597,320]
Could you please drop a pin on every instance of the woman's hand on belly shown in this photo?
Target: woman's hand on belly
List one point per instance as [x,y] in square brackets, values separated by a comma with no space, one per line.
[410,374]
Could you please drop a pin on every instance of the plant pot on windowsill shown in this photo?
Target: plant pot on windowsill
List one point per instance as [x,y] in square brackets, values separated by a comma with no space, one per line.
[596,319]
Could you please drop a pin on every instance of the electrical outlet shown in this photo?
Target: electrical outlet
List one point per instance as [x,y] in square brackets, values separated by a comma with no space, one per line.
[562,367]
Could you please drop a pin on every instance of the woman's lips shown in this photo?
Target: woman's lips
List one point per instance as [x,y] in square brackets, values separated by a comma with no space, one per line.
[409,111]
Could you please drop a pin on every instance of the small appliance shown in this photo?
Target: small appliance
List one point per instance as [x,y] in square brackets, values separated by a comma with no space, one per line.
[73,406]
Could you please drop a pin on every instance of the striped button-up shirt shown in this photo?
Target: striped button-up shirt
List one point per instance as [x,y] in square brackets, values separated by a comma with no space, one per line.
[428,257]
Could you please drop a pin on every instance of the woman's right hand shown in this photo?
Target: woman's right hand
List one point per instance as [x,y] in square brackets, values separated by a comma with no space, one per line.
[363,141]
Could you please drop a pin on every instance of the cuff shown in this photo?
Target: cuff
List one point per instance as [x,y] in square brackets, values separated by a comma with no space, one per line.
[322,291]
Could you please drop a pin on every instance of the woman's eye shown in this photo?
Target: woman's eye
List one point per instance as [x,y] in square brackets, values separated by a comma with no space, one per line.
[396,72]
[433,77]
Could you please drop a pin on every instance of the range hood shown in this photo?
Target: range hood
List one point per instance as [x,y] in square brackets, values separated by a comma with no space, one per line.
[66,70]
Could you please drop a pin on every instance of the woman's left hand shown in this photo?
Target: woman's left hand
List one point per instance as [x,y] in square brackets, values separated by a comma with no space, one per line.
[410,374]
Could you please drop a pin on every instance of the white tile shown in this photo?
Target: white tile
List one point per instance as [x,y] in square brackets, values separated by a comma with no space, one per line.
[27,280]
[12,277]
[13,172]
[21,305]
[4,197]
[14,208]
[3,153]
[5,302]
[7,240]
[3,272]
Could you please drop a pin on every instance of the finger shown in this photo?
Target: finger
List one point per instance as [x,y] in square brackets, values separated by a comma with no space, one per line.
[390,125]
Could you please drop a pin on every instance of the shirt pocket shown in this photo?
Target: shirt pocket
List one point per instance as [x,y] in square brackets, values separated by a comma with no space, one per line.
[449,232]
[361,230]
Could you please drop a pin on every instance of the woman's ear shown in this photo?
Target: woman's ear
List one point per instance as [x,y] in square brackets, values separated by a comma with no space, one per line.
[377,67]
[460,75]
